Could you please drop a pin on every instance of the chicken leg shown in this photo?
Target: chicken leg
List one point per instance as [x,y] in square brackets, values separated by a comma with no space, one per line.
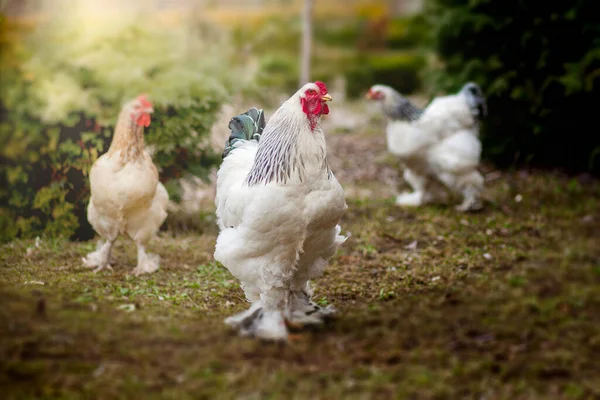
[100,259]
[265,319]
[304,311]
[278,309]
[147,262]
[469,186]
[425,190]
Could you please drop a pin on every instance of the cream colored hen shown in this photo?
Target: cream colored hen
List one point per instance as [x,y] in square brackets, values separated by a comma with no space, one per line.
[126,195]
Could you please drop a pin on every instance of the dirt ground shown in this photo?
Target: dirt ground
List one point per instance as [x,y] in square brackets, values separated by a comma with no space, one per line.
[499,304]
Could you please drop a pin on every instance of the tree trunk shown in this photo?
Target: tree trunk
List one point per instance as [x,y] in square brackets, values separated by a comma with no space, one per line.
[306,42]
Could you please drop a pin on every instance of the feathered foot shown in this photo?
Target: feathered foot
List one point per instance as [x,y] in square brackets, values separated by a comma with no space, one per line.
[260,323]
[100,258]
[147,263]
[406,199]
[470,204]
[470,186]
[295,312]
[307,312]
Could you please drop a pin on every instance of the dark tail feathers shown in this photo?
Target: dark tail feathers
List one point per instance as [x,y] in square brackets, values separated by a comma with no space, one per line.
[476,99]
[246,126]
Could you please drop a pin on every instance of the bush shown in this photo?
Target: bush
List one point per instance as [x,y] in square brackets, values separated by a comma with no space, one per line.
[338,33]
[280,71]
[373,32]
[538,64]
[400,71]
[407,32]
[270,49]
[61,100]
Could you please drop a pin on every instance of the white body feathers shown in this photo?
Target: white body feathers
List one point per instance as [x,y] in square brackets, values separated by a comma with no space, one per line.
[441,148]
[276,235]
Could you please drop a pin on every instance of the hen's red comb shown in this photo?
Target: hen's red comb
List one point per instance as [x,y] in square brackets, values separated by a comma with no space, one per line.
[141,115]
[143,99]
[322,87]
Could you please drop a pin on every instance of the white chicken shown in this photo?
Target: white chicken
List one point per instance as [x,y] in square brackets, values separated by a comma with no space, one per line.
[439,145]
[126,195]
[278,210]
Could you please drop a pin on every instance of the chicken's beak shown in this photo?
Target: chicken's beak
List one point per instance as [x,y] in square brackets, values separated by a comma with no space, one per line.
[369,95]
[326,97]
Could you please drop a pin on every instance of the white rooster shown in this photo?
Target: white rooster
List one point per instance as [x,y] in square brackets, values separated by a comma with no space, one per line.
[439,145]
[126,195]
[278,209]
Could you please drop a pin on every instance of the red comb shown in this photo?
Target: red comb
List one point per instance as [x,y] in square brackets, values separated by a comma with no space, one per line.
[142,119]
[322,87]
[143,99]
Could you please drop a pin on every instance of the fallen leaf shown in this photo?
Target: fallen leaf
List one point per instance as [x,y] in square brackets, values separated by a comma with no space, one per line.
[34,283]
[98,371]
[587,219]
[411,246]
[127,307]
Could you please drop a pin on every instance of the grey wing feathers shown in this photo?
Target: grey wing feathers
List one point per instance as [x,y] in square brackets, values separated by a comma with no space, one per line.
[407,111]
[246,126]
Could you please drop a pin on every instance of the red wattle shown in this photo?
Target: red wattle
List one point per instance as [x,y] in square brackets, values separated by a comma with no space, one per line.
[144,120]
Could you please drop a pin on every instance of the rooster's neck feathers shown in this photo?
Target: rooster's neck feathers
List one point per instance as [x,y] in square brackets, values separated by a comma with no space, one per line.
[289,148]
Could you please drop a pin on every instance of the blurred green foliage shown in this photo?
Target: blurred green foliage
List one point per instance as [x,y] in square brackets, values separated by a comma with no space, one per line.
[338,33]
[63,85]
[398,70]
[278,70]
[539,65]
[366,49]
[390,53]
[269,49]
[407,32]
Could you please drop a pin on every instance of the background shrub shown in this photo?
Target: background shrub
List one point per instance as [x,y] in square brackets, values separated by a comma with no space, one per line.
[401,71]
[365,48]
[407,32]
[62,88]
[538,63]
[278,70]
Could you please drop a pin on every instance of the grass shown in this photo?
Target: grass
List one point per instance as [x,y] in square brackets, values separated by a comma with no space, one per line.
[433,304]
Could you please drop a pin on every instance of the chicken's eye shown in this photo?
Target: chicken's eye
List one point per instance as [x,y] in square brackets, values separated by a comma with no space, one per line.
[311,91]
